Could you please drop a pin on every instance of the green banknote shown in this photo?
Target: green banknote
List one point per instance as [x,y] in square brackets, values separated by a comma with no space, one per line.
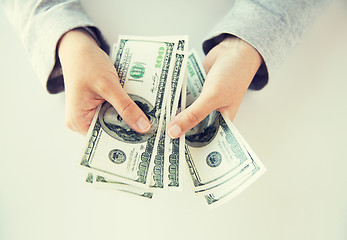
[157,180]
[176,150]
[226,192]
[163,79]
[175,147]
[159,173]
[102,182]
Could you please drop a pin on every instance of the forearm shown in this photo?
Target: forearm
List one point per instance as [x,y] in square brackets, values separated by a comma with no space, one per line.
[272,27]
[251,58]
[73,42]
[40,25]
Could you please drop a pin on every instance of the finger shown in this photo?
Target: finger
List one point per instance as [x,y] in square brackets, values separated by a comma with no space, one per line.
[209,61]
[126,107]
[191,116]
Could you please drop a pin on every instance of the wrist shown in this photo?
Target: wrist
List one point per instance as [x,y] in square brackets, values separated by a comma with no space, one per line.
[74,41]
[247,52]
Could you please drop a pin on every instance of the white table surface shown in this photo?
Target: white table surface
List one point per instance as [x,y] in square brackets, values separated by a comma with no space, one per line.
[297,125]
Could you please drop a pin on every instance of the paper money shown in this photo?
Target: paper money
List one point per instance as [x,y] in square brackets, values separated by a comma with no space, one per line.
[157,180]
[162,79]
[225,193]
[100,181]
[175,147]
[161,178]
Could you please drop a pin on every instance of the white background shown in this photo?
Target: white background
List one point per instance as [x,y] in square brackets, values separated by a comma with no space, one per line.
[297,125]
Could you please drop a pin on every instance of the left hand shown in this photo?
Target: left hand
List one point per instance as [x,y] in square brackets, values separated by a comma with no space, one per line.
[91,79]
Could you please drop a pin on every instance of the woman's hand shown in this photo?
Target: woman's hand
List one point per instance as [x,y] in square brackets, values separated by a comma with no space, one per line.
[230,67]
[90,79]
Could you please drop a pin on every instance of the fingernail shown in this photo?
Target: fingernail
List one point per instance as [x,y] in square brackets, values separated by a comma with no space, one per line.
[143,124]
[174,131]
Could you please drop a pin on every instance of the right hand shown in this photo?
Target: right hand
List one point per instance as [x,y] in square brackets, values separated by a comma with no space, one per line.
[230,67]
[91,79]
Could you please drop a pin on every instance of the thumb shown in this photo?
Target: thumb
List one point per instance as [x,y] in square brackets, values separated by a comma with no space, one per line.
[191,116]
[132,115]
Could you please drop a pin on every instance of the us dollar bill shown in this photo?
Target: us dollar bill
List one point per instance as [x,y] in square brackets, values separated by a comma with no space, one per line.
[157,181]
[176,150]
[114,150]
[175,147]
[226,192]
[215,152]
[102,182]
[174,82]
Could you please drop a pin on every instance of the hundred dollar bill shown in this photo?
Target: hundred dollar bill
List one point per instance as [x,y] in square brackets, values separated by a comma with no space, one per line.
[103,182]
[218,160]
[182,140]
[219,196]
[238,175]
[157,181]
[214,152]
[114,150]
[175,82]
[175,147]
[228,183]
[176,151]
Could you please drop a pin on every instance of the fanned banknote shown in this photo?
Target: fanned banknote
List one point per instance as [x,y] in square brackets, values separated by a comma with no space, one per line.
[100,181]
[160,173]
[175,147]
[225,193]
[159,75]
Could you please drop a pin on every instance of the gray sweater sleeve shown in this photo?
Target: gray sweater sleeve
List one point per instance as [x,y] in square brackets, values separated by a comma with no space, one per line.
[40,24]
[272,27]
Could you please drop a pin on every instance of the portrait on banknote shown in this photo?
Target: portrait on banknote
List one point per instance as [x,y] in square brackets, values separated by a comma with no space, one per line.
[113,124]
[204,132]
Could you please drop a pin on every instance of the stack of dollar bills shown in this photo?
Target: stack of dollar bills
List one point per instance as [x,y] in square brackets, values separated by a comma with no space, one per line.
[162,78]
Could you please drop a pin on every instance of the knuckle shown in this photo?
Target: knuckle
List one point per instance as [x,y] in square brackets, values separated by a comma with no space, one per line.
[192,117]
[212,101]
[128,108]
[102,85]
